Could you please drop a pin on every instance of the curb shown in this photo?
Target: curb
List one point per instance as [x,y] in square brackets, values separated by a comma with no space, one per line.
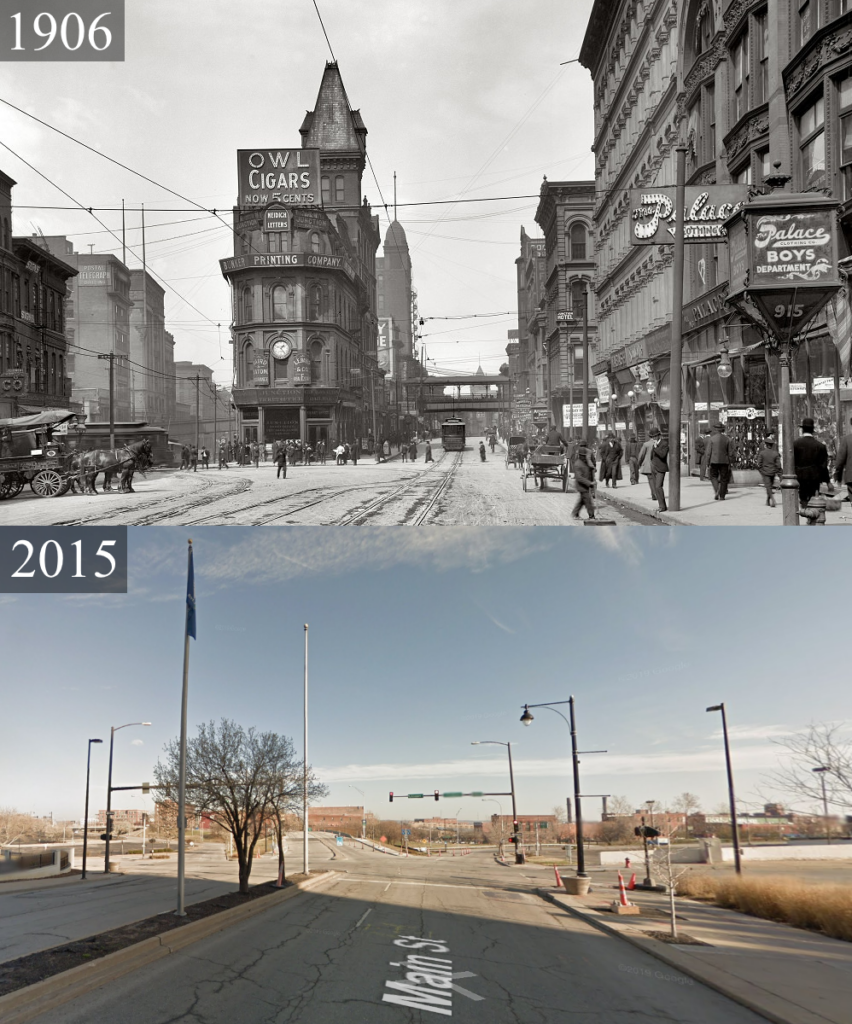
[26,1003]
[772,1007]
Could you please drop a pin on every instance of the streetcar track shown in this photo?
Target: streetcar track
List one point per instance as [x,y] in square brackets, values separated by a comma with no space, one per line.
[359,517]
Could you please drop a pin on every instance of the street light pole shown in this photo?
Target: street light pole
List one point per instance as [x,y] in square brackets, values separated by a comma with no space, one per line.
[112,733]
[86,813]
[734,830]
[305,769]
[527,719]
[520,856]
[821,772]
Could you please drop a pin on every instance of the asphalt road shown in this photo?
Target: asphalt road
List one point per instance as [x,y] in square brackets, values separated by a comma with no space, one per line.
[454,490]
[408,940]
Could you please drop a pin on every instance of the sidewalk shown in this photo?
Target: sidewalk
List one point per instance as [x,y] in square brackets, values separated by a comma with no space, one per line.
[744,506]
[786,974]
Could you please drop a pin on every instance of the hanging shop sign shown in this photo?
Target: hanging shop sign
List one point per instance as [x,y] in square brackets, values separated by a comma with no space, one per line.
[603,386]
[276,218]
[301,368]
[783,260]
[572,415]
[288,176]
[653,214]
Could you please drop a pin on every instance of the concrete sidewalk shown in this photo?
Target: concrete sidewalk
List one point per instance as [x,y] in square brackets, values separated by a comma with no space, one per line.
[786,974]
[743,506]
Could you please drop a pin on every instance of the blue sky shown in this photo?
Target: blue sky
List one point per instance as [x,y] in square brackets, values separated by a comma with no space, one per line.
[424,640]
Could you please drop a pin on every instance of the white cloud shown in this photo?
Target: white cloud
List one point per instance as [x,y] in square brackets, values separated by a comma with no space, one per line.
[278,555]
[672,763]
[137,743]
[621,540]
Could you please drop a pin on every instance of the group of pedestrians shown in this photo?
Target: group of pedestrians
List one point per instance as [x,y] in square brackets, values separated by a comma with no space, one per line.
[190,457]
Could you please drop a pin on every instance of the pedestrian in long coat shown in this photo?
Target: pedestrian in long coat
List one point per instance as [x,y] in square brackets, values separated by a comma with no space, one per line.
[645,464]
[428,457]
[659,465]
[584,482]
[412,451]
[403,451]
[768,461]
[281,462]
[811,459]
[611,452]
[631,457]
[843,465]
[718,452]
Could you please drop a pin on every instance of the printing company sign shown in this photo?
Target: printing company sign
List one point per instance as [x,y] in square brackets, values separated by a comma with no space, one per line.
[653,215]
[253,261]
[287,176]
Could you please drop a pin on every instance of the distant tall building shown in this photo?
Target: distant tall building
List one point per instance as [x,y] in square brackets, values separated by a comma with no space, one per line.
[150,387]
[303,280]
[531,393]
[393,280]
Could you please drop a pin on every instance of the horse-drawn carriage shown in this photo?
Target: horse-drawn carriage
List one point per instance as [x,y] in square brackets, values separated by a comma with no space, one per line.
[515,451]
[546,462]
[36,450]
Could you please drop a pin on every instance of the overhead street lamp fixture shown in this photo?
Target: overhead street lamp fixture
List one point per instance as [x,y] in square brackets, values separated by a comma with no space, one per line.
[86,813]
[527,718]
[821,772]
[520,856]
[733,804]
[112,733]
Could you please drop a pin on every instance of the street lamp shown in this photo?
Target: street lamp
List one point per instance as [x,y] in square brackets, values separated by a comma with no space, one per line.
[86,817]
[527,719]
[724,368]
[734,830]
[363,809]
[520,856]
[821,772]
[112,733]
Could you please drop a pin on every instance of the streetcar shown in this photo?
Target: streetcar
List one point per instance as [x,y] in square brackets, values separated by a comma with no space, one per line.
[452,434]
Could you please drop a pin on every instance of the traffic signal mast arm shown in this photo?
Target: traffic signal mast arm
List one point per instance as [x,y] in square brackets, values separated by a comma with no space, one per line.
[437,795]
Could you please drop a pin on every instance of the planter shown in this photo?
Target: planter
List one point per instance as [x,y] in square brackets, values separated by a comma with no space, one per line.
[576,886]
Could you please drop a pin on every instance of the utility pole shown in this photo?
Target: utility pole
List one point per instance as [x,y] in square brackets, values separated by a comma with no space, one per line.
[111,357]
[215,401]
[197,415]
[585,363]
[676,365]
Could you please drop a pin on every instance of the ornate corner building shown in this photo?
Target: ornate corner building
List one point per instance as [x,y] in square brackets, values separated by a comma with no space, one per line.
[33,349]
[750,88]
[303,283]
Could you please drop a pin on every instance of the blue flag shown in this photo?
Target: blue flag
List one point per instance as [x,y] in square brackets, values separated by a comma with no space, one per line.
[190,598]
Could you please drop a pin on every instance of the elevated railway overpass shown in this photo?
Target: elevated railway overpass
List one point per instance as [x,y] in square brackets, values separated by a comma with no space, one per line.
[484,394]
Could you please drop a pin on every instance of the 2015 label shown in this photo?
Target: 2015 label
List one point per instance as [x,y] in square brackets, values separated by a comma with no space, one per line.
[62,560]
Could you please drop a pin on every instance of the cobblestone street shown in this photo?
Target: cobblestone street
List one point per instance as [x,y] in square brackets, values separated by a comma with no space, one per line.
[455,490]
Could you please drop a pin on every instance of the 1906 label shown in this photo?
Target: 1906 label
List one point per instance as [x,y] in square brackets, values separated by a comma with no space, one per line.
[61,30]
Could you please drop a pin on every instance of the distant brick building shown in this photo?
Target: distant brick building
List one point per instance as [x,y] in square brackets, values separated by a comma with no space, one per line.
[337,819]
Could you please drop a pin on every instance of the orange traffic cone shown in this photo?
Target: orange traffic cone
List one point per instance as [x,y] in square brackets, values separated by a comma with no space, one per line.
[632,883]
[622,895]
[558,879]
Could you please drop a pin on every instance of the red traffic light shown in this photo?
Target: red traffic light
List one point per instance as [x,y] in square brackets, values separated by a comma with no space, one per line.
[391,796]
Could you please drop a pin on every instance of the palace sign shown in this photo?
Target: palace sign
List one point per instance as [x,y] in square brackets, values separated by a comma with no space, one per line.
[652,212]
[783,260]
[287,176]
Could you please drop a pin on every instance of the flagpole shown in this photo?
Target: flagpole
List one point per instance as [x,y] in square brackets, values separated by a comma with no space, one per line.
[305,769]
[190,625]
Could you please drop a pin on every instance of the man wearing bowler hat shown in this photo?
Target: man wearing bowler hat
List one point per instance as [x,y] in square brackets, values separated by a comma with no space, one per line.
[811,461]
[659,465]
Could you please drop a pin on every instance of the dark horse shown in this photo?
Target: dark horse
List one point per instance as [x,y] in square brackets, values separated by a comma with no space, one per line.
[124,460]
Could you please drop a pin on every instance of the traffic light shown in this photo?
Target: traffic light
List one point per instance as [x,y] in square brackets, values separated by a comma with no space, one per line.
[437,795]
[105,836]
[391,796]
[646,831]
[511,839]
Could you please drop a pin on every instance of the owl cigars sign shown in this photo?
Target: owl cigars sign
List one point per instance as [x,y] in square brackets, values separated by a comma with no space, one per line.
[654,217]
[287,176]
[783,259]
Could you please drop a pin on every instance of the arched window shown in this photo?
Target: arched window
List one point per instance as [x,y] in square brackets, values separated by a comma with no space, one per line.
[316,303]
[248,361]
[339,189]
[316,352]
[248,306]
[281,303]
[578,297]
[578,241]
[316,242]
[326,189]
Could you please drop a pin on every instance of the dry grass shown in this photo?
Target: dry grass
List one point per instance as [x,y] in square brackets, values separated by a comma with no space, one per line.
[820,908]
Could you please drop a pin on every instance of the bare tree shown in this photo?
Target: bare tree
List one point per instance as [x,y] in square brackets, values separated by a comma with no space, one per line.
[14,825]
[620,806]
[662,858]
[688,805]
[820,746]
[239,777]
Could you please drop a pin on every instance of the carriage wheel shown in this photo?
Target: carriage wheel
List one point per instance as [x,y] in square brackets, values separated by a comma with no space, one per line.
[10,486]
[48,484]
